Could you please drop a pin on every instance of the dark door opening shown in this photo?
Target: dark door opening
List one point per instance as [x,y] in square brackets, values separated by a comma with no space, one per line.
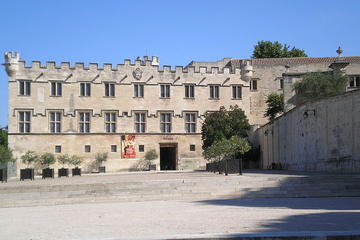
[167,157]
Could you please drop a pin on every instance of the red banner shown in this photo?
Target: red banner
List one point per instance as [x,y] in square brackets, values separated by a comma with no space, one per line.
[128,146]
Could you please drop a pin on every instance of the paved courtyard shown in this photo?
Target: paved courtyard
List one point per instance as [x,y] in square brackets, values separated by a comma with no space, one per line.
[171,219]
[181,219]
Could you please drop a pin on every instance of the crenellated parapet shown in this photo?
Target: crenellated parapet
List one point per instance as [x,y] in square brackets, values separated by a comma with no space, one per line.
[16,66]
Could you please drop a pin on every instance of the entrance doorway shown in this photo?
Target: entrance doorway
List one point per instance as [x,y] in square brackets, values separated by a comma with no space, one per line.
[168,154]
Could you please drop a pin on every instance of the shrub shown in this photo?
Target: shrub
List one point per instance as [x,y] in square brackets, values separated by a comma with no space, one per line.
[319,85]
[6,155]
[151,155]
[275,105]
[30,157]
[47,159]
[64,159]
[101,157]
[75,160]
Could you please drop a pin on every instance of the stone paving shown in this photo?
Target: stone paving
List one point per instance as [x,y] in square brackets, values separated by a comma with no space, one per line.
[180,219]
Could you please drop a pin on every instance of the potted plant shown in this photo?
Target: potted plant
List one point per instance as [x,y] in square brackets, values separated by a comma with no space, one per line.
[30,157]
[100,158]
[63,160]
[76,162]
[149,156]
[5,157]
[46,160]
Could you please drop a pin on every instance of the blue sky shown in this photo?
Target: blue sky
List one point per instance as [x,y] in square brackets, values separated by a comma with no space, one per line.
[176,31]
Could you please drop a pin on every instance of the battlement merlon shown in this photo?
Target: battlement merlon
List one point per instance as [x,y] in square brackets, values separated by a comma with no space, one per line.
[14,64]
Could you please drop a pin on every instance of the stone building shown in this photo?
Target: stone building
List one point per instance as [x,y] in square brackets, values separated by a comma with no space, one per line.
[133,107]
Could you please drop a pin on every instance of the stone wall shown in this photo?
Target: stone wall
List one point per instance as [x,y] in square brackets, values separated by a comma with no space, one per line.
[124,104]
[317,136]
[75,143]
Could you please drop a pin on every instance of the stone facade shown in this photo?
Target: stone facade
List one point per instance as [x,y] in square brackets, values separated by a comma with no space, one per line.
[71,107]
[318,136]
[81,96]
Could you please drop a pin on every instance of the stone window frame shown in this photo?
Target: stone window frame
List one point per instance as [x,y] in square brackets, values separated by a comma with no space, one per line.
[235,93]
[141,148]
[57,149]
[165,122]
[110,122]
[24,121]
[55,122]
[87,148]
[252,81]
[85,89]
[214,91]
[192,147]
[84,124]
[165,89]
[139,90]
[139,123]
[55,88]
[113,148]
[24,87]
[109,88]
[354,81]
[281,83]
[190,124]
[189,90]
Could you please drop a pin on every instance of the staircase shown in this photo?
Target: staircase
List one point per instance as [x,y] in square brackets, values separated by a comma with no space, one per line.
[151,186]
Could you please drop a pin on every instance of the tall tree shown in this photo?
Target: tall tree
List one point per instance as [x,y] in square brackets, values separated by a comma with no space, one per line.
[268,49]
[3,137]
[275,103]
[318,85]
[226,147]
[224,124]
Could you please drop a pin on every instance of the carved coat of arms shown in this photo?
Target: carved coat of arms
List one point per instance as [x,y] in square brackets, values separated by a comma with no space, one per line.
[137,73]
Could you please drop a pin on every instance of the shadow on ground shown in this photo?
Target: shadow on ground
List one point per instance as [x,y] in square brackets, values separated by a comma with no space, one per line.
[342,203]
[334,221]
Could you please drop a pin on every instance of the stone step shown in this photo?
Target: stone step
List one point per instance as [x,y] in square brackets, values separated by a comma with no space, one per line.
[165,187]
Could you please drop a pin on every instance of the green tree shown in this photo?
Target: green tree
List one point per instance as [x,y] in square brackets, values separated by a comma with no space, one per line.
[151,155]
[224,124]
[224,148]
[275,103]
[318,85]
[101,157]
[6,155]
[3,137]
[76,161]
[30,157]
[47,159]
[64,159]
[268,49]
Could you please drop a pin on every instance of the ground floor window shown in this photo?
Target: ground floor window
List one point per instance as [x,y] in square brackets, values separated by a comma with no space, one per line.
[113,148]
[57,149]
[87,148]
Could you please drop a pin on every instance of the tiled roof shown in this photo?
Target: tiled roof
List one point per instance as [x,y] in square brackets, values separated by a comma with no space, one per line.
[298,60]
